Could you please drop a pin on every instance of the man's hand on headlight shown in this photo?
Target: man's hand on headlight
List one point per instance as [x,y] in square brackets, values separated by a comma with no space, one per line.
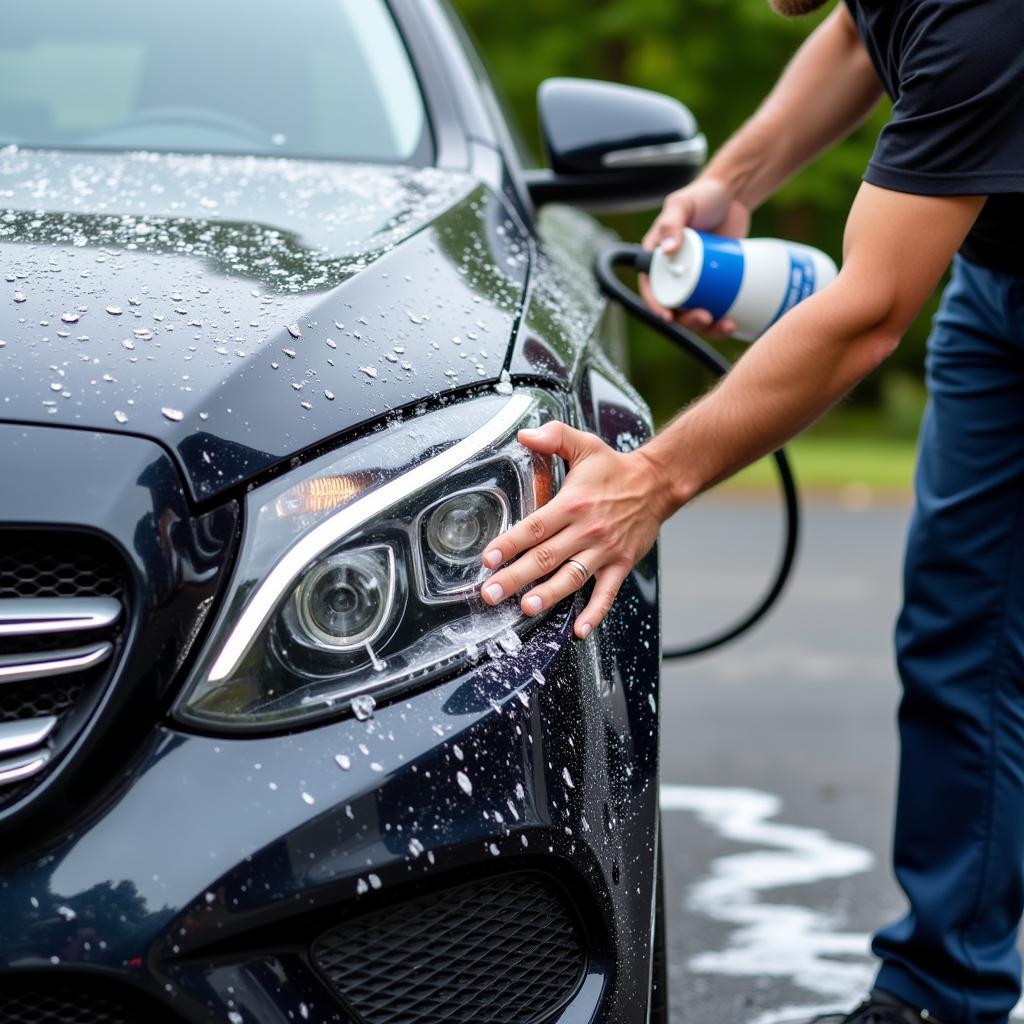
[603,520]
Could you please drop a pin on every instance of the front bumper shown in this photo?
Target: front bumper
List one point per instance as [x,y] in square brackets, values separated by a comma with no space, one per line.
[204,876]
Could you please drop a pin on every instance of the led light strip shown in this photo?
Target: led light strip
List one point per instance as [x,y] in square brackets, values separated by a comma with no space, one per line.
[266,596]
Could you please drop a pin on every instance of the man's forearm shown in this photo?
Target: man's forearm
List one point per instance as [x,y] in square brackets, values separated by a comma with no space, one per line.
[827,89]
[791,377]
[897,247]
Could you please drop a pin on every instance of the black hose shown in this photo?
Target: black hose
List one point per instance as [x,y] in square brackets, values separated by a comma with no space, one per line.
[634,257]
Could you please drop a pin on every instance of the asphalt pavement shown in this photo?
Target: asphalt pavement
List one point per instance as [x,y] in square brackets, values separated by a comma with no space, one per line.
[779,757]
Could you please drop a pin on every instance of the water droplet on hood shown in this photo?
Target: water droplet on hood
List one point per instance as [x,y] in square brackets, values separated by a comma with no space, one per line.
[293,330]
[464,784]
[370,371]
[121,417]
[70,318]
[175,415]
[363,706]
[114,310]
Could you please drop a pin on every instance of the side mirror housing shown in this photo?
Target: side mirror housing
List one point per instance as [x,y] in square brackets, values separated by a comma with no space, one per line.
[613,147]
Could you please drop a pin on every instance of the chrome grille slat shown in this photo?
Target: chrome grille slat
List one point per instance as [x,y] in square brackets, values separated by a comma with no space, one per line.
[16,737]
[63,611]
[14,769]
[39,616]
[16,668]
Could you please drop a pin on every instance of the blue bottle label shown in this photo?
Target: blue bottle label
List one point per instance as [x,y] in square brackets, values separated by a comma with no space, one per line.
[721,276]
[801,282]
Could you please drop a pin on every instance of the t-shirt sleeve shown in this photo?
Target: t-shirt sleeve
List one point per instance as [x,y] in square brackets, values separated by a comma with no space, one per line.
[958,122]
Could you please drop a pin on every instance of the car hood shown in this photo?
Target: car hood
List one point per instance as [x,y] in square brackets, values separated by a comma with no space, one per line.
[241,310]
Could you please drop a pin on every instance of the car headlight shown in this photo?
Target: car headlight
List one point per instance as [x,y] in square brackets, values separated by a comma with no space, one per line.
[359,572]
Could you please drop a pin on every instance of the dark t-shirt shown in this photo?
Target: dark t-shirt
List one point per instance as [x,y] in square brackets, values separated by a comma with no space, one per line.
[955,72]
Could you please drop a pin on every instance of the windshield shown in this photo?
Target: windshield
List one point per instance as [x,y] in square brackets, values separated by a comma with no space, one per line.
[311,78]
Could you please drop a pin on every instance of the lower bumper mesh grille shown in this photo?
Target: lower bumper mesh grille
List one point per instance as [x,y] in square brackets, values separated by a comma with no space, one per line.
[503,950]
[64,1002]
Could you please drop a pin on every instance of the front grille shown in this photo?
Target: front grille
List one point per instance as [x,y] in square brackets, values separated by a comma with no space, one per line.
[64,1002]
[502,950]
[40,564]
[32,700]
[63,610]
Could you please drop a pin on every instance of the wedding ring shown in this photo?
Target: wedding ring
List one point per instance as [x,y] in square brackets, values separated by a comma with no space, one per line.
[582,568]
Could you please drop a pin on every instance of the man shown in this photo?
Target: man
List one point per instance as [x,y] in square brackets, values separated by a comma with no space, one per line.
[945,181]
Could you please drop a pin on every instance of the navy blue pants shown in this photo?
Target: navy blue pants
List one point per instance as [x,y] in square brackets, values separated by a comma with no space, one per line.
[959,841]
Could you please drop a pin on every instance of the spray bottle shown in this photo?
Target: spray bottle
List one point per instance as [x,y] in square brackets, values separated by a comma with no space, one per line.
[752,281]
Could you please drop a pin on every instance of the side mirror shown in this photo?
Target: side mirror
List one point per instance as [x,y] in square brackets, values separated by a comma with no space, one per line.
[613,147]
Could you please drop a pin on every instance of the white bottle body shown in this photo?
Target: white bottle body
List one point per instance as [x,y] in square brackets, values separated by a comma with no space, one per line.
[752,281]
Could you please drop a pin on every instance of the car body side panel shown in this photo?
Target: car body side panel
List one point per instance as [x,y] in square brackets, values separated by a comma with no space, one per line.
[564,305]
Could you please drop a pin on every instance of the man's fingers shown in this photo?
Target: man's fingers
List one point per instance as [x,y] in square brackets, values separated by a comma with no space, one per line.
[557,438]
[536,528]
[652,303]
[724,328]
[572,575]
[694,319]
[606,588]
[668,228]
[536,563]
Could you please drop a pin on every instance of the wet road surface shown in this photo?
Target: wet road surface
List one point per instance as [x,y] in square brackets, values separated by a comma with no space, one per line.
[778,784]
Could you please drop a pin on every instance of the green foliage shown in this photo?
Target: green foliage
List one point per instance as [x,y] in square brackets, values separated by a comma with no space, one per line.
[720,57]
[856,466]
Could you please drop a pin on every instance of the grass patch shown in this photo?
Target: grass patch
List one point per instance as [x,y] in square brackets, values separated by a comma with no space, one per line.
[831,463]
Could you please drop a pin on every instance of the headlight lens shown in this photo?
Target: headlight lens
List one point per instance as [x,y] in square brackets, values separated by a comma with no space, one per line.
[360,572]
[461,527]
[343,603]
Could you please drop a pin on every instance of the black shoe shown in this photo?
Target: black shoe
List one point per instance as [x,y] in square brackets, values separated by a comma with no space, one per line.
[879,1008]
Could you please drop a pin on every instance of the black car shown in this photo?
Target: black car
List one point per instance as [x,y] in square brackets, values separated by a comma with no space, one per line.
[277,293]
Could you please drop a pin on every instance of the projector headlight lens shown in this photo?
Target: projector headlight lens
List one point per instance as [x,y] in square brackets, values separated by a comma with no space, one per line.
[461,527]
[343,603]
